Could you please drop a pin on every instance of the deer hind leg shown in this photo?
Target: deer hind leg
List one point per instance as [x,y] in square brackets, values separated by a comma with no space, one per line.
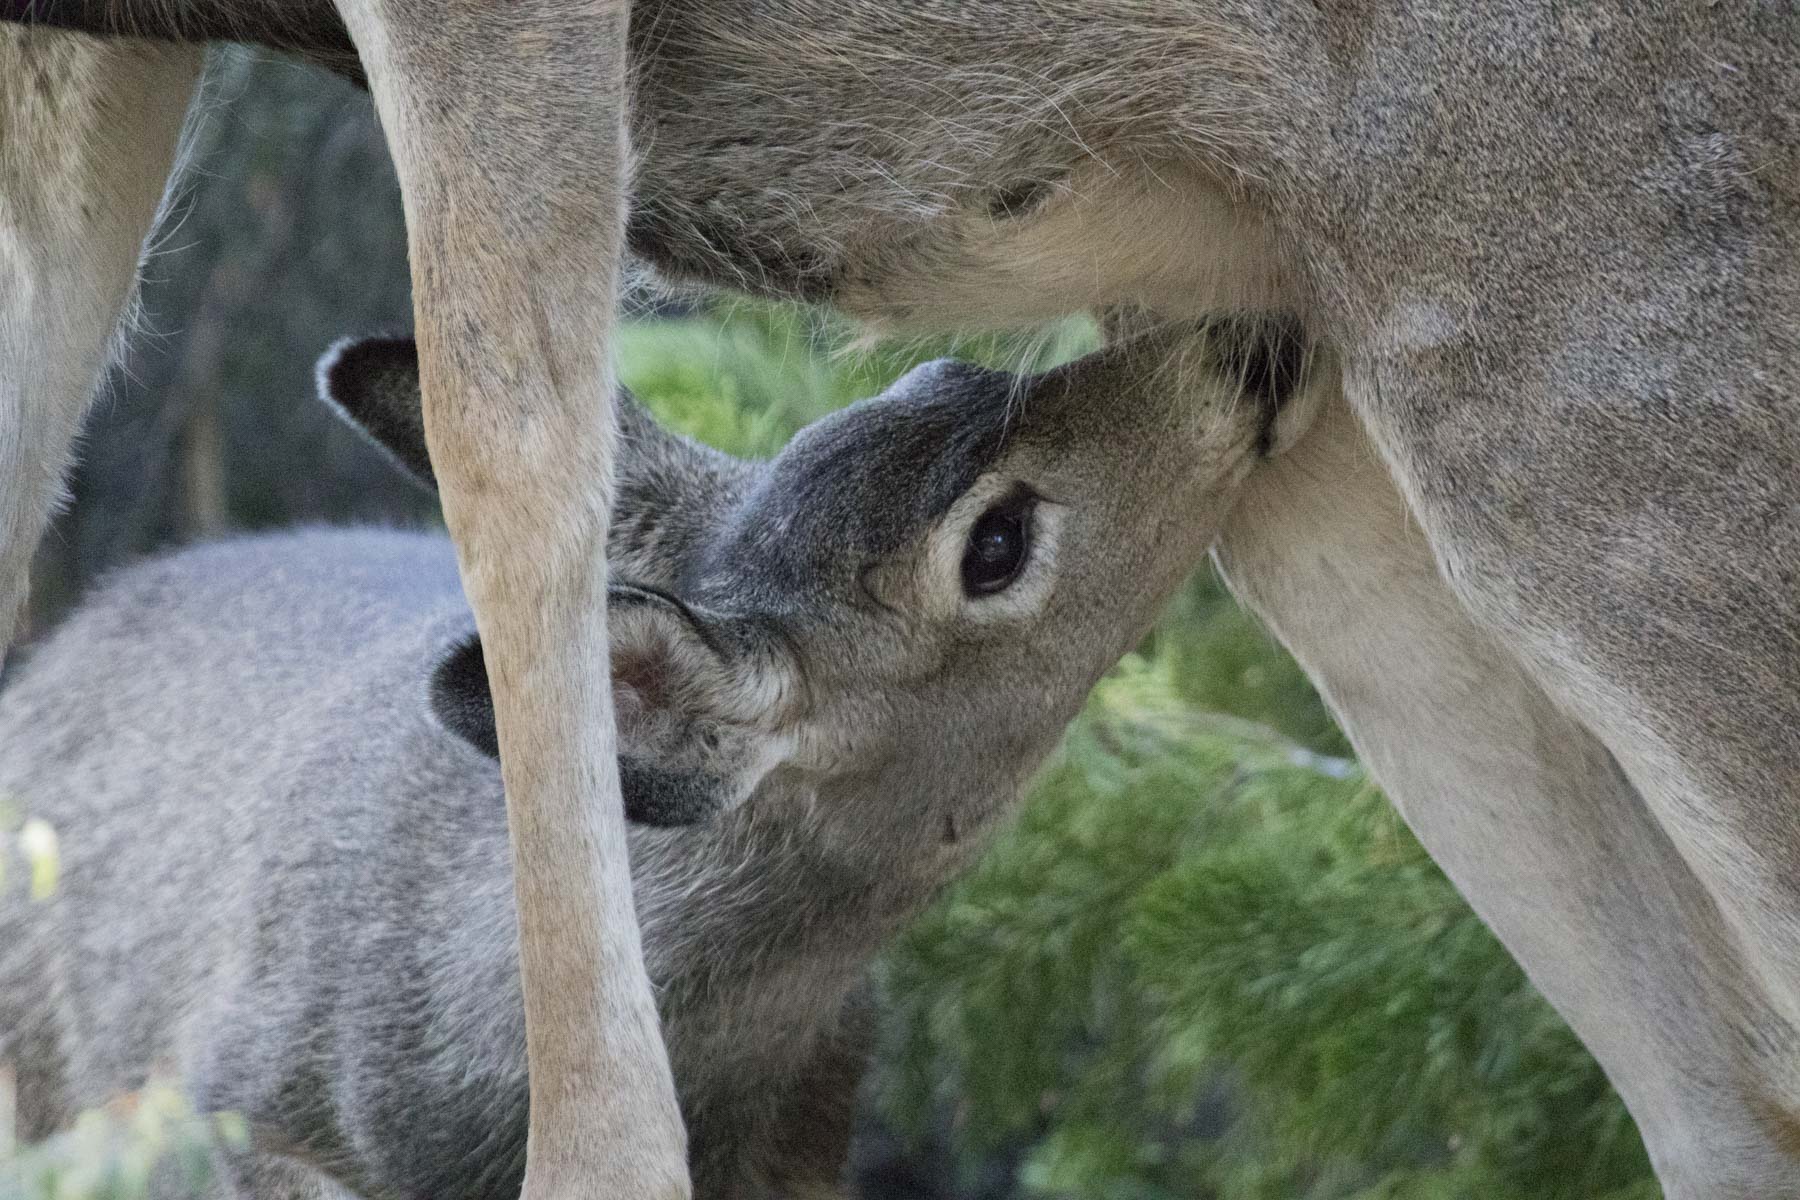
[1615,504]
[1522,806]
[88,135]
[507,130]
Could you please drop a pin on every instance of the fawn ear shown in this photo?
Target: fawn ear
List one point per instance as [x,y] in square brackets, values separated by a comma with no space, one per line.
[373,384]
[695,703]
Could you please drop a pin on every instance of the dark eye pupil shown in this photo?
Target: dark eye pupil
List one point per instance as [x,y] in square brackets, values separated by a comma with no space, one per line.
[996,552]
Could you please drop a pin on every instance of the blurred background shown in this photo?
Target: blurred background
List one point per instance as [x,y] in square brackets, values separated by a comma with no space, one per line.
[1209,961]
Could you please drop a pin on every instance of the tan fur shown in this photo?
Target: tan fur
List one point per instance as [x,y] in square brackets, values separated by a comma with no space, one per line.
[514,245]
[74,211]
[1106,236]
[514,241]
[1525,810]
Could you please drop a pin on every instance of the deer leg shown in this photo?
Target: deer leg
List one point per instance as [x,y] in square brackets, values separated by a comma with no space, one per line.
[507,129]
[88,135]
[1616,508]
[1523,807]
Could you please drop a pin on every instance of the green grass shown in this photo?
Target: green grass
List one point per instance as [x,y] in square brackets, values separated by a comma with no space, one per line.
[116,1152]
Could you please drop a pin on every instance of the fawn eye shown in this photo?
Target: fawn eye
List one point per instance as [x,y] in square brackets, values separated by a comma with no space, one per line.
[999,546]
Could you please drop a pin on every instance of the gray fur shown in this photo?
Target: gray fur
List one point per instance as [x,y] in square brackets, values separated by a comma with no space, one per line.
[286,880]
[1556,251]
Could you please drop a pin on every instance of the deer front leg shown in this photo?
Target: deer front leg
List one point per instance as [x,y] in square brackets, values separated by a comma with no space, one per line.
[507,128]
[88,132]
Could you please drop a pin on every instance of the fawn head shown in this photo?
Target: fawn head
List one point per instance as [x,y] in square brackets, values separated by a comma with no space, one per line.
[888,626]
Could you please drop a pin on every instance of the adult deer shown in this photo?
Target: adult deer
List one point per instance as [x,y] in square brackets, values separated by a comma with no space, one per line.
[1556,248]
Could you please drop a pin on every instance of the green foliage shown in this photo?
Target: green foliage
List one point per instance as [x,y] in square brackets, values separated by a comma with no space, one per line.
[110,1153]
[1217,658]
[34,841]
[31,843]
[1210,962]
[747,377]
[114,1153]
